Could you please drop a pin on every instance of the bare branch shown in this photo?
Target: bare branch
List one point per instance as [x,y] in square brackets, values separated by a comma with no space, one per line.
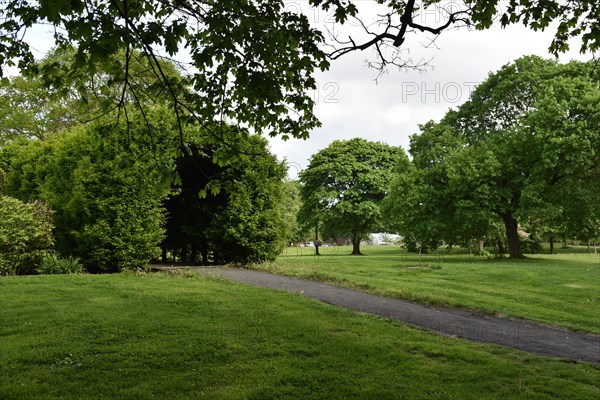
[392,35]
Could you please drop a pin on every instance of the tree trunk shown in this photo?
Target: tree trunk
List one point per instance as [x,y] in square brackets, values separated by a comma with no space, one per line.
[480,246]
[551,244]
[317,241]
[204,252]
[194,253]
[512,235]
[501,249]
[356,245]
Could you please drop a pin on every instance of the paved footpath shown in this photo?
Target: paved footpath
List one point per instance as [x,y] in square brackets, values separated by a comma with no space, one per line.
[520,334]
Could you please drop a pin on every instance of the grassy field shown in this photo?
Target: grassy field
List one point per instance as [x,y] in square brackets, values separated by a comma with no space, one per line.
[562,289]
[189,337]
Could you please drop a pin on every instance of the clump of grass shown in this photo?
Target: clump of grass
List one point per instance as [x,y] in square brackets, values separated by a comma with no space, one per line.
[53,264]
[486,254]
[323,277]
[423,267]
[181,272]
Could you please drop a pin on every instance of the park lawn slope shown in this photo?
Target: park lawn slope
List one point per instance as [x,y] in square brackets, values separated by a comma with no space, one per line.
[161,336]
[561,290]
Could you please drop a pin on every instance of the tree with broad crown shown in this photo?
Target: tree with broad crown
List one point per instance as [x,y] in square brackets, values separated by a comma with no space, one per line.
[344,184]
[105,193]
[26,112]
[419,205]
[227,205]
[525,147]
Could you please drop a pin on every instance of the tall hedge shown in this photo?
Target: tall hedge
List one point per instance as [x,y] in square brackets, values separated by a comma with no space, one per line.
[104,191]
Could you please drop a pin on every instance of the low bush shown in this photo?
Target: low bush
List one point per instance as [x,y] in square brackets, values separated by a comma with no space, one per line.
[530,246]
[52,264]
[486,254]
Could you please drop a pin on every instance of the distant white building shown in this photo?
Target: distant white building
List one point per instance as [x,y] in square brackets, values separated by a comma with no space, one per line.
[383,239]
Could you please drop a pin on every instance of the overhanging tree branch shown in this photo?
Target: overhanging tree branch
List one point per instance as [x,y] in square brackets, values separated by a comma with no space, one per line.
[392,35]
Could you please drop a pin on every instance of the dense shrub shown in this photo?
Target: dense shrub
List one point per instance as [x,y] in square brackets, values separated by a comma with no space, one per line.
[104,191]
[25,235]
[109,187]
[530,246]
[52,264]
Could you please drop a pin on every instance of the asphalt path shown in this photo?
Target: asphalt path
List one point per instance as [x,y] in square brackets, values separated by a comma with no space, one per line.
[520,334]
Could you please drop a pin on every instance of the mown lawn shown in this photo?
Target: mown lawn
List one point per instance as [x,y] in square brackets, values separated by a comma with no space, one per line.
[561,289]
[189,337]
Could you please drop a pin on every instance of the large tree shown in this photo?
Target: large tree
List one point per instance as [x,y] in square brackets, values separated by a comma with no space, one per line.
[33,106]
[227,202]
[26,112]
[253,62]
[344,184]
[524,149]
[420,204]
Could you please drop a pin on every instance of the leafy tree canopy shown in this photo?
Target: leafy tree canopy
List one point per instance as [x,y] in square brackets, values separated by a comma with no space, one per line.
[523,150]
[104,168]
[344,185]
[291,206]
[26,112]
[252,62]
[38,106]
[398,20]
[228,201]
[116,199]
[105,191]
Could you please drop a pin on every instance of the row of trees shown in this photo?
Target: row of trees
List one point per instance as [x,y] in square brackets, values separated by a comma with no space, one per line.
[253,63]
[522,154]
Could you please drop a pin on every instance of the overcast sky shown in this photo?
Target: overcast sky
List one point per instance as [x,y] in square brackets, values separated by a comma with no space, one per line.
[351,104]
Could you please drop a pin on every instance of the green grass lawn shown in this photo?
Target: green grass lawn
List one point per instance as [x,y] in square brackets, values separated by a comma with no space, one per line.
[166,337]
[561,289]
